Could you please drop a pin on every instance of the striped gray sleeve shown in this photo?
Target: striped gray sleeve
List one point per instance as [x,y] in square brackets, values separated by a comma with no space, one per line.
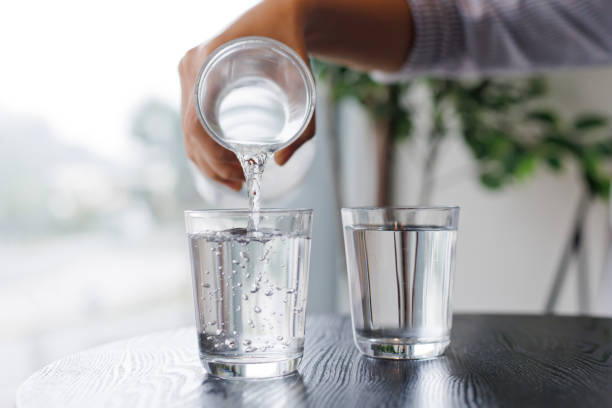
[463,37]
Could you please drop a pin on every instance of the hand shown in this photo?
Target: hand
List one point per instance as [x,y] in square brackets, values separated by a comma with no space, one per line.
[367,34]
[277,19]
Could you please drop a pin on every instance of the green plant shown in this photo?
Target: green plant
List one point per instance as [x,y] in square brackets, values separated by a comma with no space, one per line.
[502,122]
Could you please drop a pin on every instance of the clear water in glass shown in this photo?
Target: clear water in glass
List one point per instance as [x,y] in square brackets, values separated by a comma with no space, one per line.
[250,291]
[400,287]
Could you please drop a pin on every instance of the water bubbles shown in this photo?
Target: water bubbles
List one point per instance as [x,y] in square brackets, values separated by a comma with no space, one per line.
[264,257]
[258,287]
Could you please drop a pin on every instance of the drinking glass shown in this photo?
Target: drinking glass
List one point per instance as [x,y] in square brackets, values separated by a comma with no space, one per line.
[250,289]
[400,263]
[254,93]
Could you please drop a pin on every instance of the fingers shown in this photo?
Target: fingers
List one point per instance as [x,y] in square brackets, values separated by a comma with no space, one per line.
[188,70]
[199,143]
[220,174]
[284,155]
[212,159]
[212,174]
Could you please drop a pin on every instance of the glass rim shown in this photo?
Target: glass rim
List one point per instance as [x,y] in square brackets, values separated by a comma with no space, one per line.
[401,208]
[246,211]
[250,41]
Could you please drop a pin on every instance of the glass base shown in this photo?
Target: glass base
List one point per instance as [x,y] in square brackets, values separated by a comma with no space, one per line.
[232,369]
[395,351]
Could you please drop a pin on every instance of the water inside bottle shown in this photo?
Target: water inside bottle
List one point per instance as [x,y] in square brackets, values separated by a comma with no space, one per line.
[253,116]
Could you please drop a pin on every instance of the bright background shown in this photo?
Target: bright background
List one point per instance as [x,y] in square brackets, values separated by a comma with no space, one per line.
[93,176]
[93,182]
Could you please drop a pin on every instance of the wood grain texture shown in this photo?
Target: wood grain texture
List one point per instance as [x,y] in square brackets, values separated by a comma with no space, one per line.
[493,360]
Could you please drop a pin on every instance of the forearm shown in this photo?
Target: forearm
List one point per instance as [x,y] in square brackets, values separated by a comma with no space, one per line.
[367,34]
[455,37]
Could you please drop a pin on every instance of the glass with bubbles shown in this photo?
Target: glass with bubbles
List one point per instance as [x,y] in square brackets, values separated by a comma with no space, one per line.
[250,289]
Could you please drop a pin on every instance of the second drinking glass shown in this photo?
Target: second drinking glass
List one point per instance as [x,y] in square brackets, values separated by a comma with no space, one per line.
[400,265]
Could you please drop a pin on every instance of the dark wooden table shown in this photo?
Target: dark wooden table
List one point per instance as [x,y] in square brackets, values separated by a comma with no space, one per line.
[493,360]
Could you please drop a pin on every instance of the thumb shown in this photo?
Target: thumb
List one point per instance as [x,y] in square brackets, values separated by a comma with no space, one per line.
[281,157]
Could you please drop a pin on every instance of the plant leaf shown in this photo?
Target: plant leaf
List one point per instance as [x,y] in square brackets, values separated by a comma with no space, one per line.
[604,148]
[492,181]
[590,121]
[545,117]
[554,162]
[524,167]
[403,128]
